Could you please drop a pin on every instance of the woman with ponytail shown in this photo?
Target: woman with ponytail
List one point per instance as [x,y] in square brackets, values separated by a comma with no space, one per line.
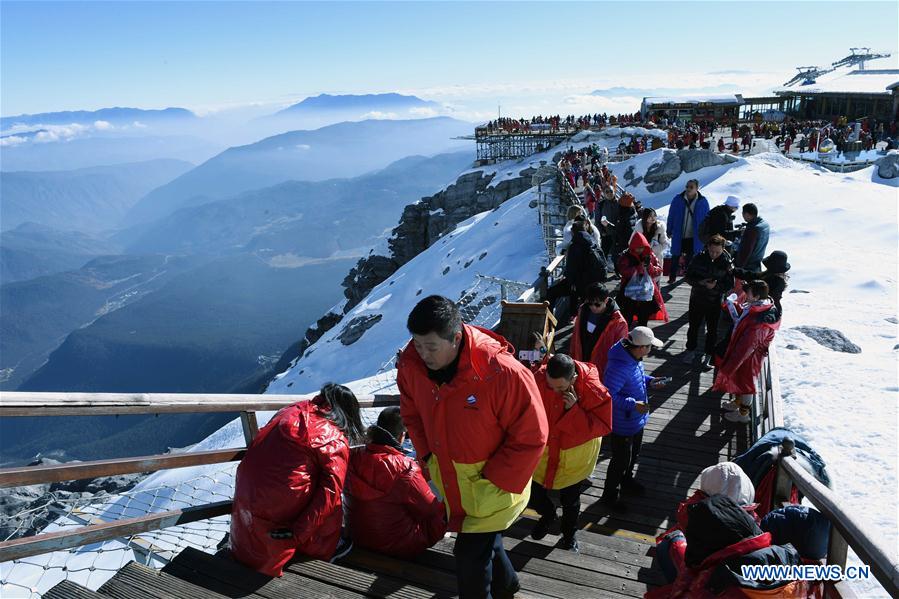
[287,498]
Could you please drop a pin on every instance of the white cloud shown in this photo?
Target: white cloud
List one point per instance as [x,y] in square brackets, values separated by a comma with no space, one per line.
[423,111]
[377,114]
[54,133]
[303,146]
[12,140]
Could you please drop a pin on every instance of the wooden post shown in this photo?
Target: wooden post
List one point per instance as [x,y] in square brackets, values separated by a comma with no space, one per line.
[783,485]
[250,426]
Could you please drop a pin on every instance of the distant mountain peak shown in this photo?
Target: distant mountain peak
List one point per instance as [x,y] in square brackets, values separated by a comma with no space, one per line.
[392,101]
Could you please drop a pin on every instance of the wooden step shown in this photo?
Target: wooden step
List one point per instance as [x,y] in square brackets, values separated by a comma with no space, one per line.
[70,590]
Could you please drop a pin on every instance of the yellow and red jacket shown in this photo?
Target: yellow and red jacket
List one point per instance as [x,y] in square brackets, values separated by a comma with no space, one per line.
[573,445]
[484,430]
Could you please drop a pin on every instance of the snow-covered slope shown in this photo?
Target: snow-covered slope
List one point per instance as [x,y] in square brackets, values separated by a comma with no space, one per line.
[840,232]
[504,243]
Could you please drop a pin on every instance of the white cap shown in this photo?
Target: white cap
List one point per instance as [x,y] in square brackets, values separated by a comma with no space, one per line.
[643,336]
[732,202]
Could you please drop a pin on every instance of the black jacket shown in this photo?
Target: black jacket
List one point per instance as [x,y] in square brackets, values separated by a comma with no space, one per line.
[719,220]
[776,284]
[584,262]
[702,267]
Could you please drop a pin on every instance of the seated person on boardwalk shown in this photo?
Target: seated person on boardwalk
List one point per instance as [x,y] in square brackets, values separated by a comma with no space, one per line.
[391,509]
[579,412]
[755,325]
[476,419]
[597,327]
[710,275]
[721,538]
[627,383]
[287,497]
[639,295]
[725,478]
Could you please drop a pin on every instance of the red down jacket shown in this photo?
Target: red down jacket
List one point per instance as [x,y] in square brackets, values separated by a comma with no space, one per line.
[484,430]
[630,264]
[748,346]
[391,508]
[574,434]
[615,331]
[291,477]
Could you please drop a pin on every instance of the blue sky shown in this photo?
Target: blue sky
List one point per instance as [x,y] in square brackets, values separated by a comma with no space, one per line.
[210,55]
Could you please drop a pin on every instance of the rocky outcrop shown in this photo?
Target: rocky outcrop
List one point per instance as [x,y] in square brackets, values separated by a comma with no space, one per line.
[675,163]
[660,175]
[27,510]
[421,224]
[355,328]
[427,220]
[888,166]
[830,338]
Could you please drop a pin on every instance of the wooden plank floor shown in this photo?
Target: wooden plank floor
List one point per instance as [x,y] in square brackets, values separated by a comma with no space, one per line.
[685,433]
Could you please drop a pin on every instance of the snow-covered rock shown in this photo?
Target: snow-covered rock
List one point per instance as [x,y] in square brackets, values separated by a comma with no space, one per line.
[830,338]
[888,166]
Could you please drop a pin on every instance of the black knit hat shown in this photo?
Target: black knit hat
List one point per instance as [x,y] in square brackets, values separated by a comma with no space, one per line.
[777,262]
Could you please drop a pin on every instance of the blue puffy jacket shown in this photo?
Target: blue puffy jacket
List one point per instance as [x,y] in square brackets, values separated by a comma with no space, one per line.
[675,223]
[626,381]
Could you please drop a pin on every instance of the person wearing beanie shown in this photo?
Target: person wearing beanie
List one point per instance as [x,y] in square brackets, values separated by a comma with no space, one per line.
[720,220]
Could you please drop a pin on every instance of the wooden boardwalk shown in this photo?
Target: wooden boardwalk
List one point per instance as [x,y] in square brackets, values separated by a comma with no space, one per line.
[685,433]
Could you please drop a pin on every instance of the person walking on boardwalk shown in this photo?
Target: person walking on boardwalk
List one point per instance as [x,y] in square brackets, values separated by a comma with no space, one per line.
[775,275]
[391,509]
[598,326]
[579,412]
[688,209]
[754,241]
[477,421]
[287,496]
[639,294]
[711,275]
[654,231]
[720,220]
[755,324]
[585,263]
[627,383]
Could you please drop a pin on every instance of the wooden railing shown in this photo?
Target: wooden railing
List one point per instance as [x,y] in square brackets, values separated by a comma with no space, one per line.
[17,404]
[845,531]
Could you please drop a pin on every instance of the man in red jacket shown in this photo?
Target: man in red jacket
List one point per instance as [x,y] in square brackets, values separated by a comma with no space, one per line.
[475,417]
[579,412]
[391,508]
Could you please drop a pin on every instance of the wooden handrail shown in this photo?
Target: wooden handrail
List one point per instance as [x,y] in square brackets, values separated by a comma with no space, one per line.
[884,568]
[19,404]
[96,533]
[34,475]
